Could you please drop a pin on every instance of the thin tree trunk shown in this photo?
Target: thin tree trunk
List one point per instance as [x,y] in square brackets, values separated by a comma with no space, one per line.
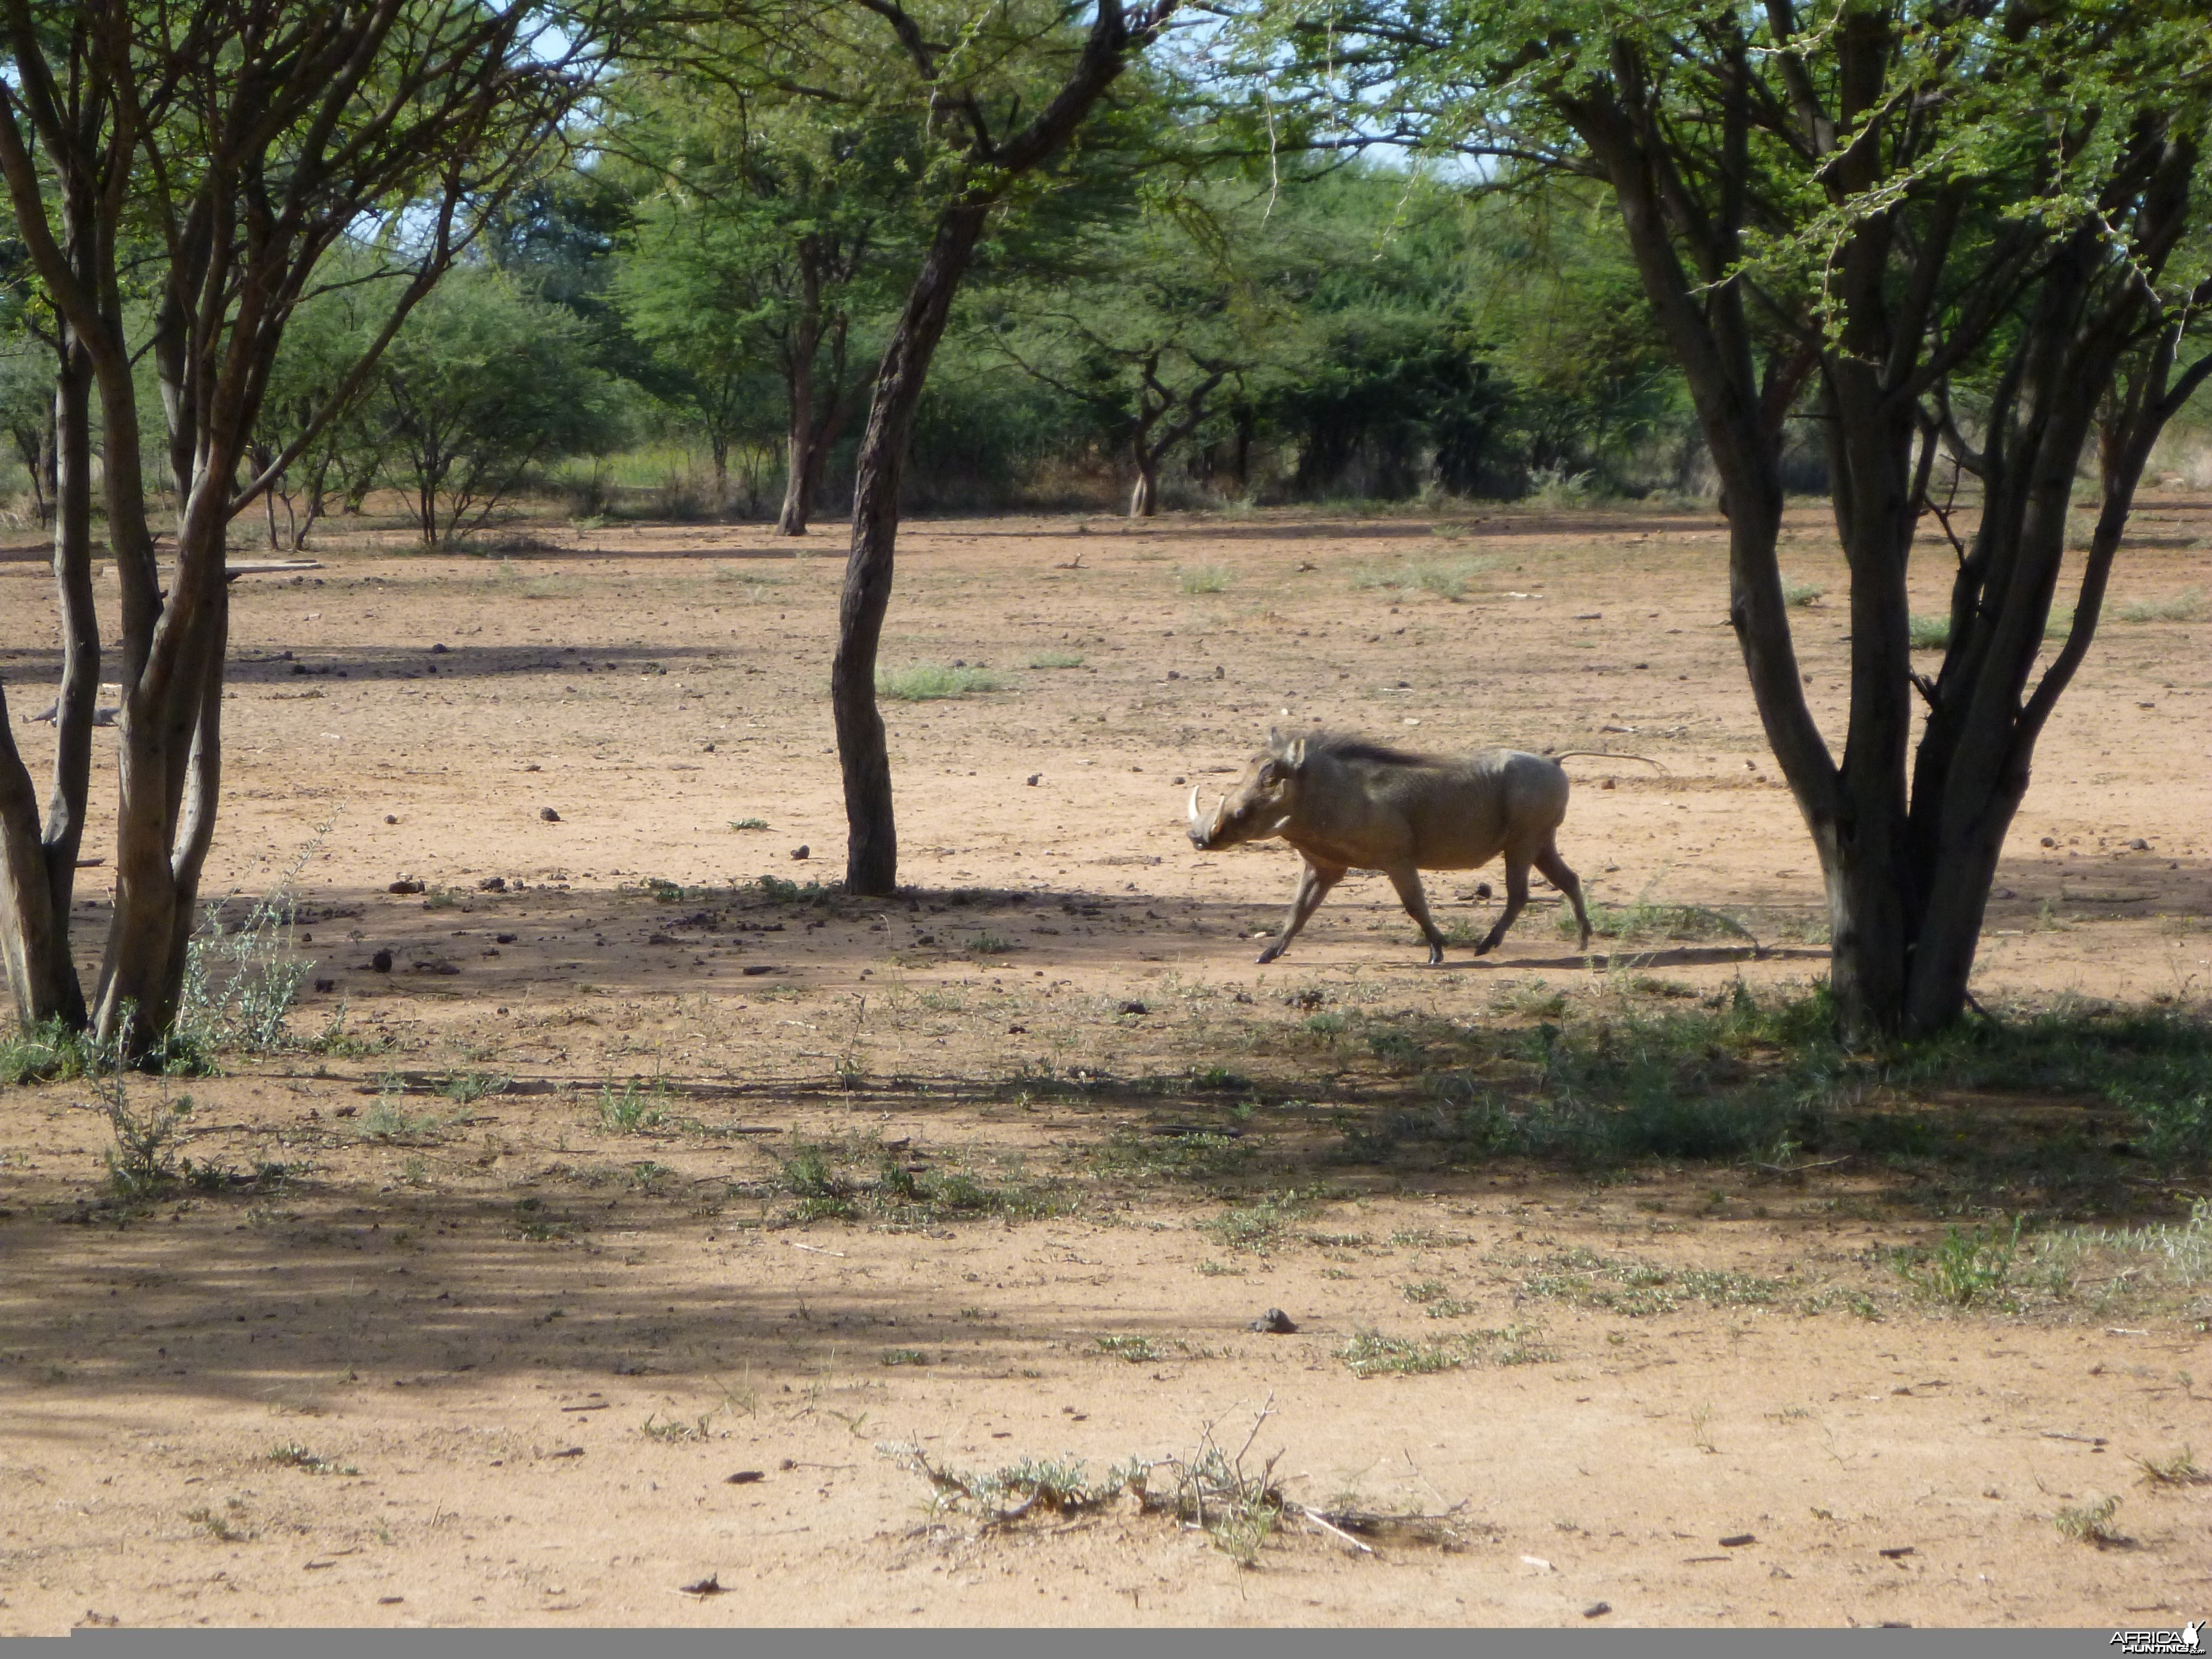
[798,382]
[720,444]
[871,854]
[76,703]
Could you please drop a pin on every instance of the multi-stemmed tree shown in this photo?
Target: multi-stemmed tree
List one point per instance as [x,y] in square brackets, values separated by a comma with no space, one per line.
[239,142]
[1969,240]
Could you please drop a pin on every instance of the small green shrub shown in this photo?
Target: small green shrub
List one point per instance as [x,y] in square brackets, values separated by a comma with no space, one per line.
[1204,578]
[1930,632]
[2089,1523]
[1057,659]
[1965,1267]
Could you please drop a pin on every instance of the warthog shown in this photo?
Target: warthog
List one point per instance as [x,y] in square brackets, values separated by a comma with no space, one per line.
[1346,804]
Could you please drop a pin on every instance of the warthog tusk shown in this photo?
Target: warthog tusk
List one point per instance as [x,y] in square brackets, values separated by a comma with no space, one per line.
[1220,807]
[1193,803]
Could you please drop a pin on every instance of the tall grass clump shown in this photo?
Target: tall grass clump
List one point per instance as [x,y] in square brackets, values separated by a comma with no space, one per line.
[1204,578]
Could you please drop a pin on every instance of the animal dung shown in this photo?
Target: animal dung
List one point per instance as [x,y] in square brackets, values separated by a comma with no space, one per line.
[1274,1322]
[800,851]
[549,815]
[404,885]
[381,962]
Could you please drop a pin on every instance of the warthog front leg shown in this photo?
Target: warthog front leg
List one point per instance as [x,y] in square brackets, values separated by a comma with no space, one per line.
[1407,881]
[1314,883]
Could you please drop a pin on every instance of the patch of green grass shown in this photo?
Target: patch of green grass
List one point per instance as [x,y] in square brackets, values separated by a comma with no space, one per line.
[465,1088]
[748,823]
[1433,1299]
[1640,1289]
[1204,578]
[391,1122]
[2185,606]
[47,1053]
[1448,579]
[830,1181]
[1795,593]
[988,944]
[904,1357]
[1370,1353]
[216,1524]
[1930,632]
[923,682]
[639,1108]
[1137,1350]
[1966,1269]
[1201,1155]
[1057,659]
[1258,1227]
[293,1455]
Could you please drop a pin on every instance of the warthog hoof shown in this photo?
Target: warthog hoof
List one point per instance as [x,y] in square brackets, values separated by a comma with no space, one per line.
[1269,954]
[1436,956]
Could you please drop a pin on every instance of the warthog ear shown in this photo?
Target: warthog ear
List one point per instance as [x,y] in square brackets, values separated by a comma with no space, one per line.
[1295,756]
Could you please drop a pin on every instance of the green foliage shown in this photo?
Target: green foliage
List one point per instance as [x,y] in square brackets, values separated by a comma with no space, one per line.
[483,386]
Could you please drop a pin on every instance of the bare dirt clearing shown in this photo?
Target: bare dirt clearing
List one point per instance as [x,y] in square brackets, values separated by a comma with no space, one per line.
[633,1175]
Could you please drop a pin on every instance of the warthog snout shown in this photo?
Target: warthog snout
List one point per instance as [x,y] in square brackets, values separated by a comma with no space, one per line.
[1202,834]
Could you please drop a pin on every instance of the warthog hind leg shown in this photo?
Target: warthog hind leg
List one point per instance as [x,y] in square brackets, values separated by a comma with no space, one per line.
[1556,872]
[1314,883]
[1407,881]
[1516,899]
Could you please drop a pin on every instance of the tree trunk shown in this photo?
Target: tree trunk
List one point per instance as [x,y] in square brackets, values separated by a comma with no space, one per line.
[798,382]
[171,773]
[720,444]
[77,702]
[38,864]
[871,854]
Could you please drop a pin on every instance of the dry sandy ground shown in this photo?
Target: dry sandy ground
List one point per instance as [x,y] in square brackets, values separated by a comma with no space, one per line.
[515,1355]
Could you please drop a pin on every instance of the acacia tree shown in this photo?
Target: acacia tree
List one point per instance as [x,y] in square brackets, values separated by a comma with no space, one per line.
[772,217]
[244,140]
[1969,240]
[1146,324]
[998,89]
